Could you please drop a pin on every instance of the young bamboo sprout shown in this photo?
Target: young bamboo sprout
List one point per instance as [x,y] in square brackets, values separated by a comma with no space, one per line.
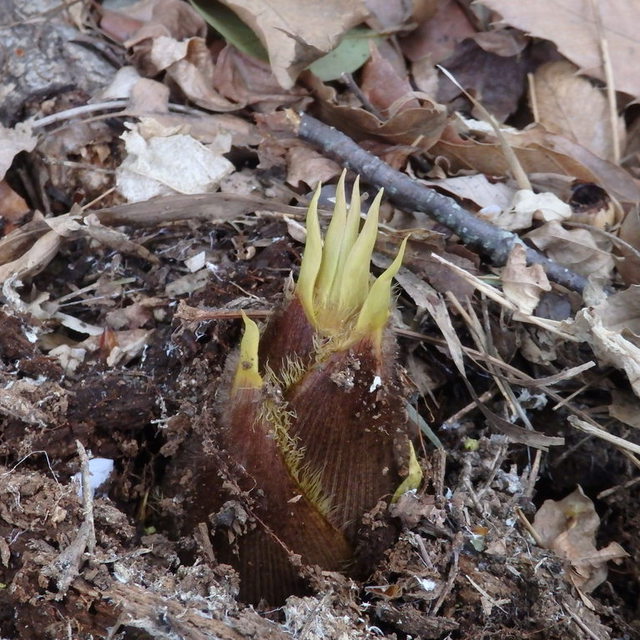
[315,427]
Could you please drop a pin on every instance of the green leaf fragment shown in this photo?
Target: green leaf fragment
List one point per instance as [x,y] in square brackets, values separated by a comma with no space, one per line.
[231,28]
[413,479]
[352,52]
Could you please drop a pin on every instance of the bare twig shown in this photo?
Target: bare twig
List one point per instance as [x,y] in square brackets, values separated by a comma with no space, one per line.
[410,195]
[87,496]
[609,81]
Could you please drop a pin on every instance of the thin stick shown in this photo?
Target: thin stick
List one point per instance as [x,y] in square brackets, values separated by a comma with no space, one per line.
[524,521]
[533,97]
[87,496]
[609,81]
[408,194]
[604,435]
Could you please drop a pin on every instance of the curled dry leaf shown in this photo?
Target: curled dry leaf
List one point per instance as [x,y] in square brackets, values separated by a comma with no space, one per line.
[569,528]
[420,126]
[246,80]
[295,38]
[569,105]
[526,207]
[521,284]
[190,65]
[580,250]
[384,85]
[308,166]
[611,329]
[477,189]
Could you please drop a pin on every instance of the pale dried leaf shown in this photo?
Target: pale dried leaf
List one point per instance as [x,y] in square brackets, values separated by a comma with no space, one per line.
[170,164]
[579,249]
[521,284]
[610,346]
[70,358]
[294,38]
[36,258]
[571,25]
[569,105]
[569,528]
[12,142]
[477,189]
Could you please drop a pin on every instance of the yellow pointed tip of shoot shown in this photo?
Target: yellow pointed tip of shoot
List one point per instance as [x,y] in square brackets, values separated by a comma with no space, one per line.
[334,285]
[247,374]
[413,479]
[375,310]
[311,259]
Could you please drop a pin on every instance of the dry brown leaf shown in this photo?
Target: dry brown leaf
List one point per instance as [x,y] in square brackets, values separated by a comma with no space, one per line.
[12,207]
[621,312]
[572,26]
[569,105]
[421,126]
[310,167]
[586,253]
[485,156]
[295,36]
[384,86]
[190,65]
[521,284]
[172,18]
[245,80]
[438,35]
[390,15]
[569,527]
[34,260]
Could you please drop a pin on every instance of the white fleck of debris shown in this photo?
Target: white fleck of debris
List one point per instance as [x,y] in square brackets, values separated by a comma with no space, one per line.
[99,471]
[530,400]
[195,263]
[491,210]
[510,522]
[31,334]
[426,584]
[376,384]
